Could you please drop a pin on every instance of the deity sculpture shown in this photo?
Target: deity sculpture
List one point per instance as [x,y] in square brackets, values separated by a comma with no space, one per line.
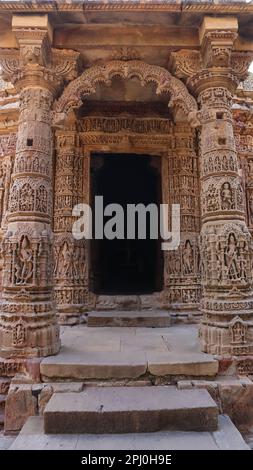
[188,258]
[251,207]
[231,257]
[226,197]
[25,264]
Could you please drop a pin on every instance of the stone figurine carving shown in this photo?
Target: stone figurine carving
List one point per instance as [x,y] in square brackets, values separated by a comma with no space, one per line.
[24,266]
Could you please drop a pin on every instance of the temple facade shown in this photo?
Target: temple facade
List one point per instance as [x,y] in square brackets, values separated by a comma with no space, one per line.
[140,102]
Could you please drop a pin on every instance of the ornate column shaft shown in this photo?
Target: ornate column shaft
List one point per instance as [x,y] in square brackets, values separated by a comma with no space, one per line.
[226,245]
[28,325]
[182,277]
[70,270]
[227,325]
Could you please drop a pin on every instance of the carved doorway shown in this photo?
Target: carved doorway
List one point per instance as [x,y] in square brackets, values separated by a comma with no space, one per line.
[123,266]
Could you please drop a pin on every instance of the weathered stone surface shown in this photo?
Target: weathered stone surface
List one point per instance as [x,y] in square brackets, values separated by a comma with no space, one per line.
[4,385]
[94,366]
[117,302]
[210,385]
[191,364]
[5,442]
[227,437]
[236,398]
[149,318]
[20,404]
[128,409]
[44,397]
[47,391]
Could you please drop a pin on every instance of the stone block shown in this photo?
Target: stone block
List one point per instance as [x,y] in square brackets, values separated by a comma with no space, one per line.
[236,398]
[20,404]
[191,364]
[93,365]
[48,390]
[127,409]
[184,385]
[44,397]
[223,23]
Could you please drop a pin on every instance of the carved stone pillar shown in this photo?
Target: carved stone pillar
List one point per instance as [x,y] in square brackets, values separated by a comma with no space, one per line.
[182,278]
[226,245]
[28,324]
[70,270]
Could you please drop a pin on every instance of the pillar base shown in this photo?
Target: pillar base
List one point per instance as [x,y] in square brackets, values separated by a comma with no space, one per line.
[228,339]
[29,337]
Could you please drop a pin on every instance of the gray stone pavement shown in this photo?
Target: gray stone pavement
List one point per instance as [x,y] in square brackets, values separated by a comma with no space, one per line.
[5,441]
[227,437]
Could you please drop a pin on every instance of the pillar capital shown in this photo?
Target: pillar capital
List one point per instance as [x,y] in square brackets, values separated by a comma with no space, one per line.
[217,37]
[36,63]
[217,63]
[34,36]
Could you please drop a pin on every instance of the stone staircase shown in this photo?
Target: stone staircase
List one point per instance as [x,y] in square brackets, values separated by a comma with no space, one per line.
[130,418]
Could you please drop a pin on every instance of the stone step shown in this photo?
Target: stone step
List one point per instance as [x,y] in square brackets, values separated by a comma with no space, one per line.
[117,365]
[109,410]
[32,437]
[136,318]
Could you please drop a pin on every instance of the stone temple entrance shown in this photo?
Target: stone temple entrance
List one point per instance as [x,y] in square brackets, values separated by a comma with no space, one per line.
[139,104]
[123,265]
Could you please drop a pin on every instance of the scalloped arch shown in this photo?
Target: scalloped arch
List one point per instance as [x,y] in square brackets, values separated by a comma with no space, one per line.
[85,84]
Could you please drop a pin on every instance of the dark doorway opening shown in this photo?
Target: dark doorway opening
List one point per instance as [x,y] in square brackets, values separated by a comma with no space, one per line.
[123,266]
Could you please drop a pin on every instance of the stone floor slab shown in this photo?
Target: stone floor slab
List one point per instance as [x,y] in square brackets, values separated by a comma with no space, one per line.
[227,436]
[146,343]
[32,437]
[5,441]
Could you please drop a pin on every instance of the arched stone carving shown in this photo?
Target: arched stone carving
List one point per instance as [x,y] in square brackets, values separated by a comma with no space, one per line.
[180,98]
